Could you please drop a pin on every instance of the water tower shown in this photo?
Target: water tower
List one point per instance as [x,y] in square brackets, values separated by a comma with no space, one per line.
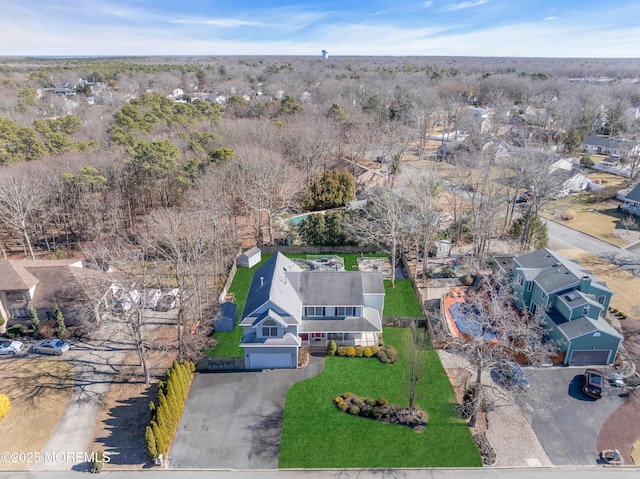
[325,54]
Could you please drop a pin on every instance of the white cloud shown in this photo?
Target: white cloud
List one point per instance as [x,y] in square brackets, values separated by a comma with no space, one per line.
[428,4]
[218,22]
[466,4]
[550,19]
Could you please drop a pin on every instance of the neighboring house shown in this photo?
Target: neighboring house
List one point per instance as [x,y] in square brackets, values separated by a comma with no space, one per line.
[568,299]
[250,258]
[40,284]
[288,308]
[608,146]
[632,201]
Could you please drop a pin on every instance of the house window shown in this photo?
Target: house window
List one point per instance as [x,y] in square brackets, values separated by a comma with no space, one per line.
[317,336]
[15,296]
[520,280]
[585,310]
[19,313]
[529,285]
[345,311]
[314,311]
[269,328]
[601,299]
[544,295]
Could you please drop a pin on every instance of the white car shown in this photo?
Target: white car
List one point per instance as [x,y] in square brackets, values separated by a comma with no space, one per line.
[10,347]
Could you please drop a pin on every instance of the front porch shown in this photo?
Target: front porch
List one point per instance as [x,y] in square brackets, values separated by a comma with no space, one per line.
[320,340]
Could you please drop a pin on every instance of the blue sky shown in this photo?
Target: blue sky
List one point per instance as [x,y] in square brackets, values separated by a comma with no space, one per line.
[526,28]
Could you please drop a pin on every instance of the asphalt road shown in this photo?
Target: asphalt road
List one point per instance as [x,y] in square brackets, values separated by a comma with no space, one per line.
[562,237]
[566,421]
[482,473]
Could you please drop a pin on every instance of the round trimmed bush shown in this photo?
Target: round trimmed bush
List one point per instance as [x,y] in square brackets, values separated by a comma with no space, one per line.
[354,410]
[375,349]
[371,402]
[382,356]
[338,399]
[376,413]
[331,348]
[359,351]
[342,406]
[392,354]
[342,350]
[351,351]
[367,352]
[382,401]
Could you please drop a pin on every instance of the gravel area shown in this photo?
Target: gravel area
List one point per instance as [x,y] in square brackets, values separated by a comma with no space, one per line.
[509,432]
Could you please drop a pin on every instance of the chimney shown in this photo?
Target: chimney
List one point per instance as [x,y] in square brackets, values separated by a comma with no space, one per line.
[585,283]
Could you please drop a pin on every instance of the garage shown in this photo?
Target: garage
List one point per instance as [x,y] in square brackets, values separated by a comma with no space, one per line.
[586,358]
[271,361]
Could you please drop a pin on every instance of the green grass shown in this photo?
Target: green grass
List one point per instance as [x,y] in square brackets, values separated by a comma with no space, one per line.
[401,301]
[229,342]
[316,434]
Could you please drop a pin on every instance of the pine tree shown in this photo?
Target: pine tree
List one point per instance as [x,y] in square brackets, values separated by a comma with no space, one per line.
[35,322]
[161,445]
[151,441]
[61,328]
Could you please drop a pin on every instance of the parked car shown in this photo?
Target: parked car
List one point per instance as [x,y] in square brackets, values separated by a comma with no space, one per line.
[512,376]
[51,346]
[593,383]
[10,347]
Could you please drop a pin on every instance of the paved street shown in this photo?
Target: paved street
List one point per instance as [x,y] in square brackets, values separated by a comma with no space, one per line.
[562,237]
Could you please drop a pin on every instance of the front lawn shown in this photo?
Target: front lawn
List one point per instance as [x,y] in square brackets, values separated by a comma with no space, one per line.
[316,434]
[401,301]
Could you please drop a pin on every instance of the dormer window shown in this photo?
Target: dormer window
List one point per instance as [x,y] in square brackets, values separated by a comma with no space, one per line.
[13,296]
[345,311]
[314,311]
[585,310]
[269,328]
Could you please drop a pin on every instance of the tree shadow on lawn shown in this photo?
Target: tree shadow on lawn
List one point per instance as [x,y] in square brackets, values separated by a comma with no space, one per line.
[125,427]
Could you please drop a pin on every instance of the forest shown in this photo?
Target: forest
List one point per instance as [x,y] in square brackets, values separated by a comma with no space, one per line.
[188,159]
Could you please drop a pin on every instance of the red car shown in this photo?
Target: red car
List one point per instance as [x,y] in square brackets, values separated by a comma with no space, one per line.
[593,383]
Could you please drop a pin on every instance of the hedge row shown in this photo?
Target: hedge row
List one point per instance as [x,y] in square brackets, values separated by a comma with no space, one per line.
[386,354]
[164,419]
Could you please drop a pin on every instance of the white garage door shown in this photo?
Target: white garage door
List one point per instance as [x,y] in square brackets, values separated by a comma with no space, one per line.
[589,357]
[271,361]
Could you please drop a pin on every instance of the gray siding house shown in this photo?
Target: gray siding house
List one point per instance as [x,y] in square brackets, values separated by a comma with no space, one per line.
[571,302]
[288,308]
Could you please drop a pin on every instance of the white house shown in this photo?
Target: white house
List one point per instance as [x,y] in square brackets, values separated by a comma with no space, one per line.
[288,308]
[632,201]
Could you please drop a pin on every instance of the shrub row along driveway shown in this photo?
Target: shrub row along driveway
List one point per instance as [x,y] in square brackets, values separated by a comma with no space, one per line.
[566,421]
[234,420]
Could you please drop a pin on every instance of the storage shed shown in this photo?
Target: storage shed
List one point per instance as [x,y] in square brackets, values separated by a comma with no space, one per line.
[250,258]
[226,317]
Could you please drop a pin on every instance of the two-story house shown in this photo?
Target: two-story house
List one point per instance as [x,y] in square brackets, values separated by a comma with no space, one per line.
[288,307]
[571,302]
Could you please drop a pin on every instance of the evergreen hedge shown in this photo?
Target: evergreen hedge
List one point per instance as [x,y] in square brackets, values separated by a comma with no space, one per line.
[165,417]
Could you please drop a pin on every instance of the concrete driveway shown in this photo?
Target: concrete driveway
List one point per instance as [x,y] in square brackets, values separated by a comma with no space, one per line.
[566,421]
[234,420]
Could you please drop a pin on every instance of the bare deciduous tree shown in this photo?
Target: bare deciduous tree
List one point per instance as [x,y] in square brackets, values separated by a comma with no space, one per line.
[19,199]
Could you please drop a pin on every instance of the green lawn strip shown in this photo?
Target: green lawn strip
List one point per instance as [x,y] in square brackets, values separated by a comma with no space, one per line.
[316,434]
[228,342]
[401,301]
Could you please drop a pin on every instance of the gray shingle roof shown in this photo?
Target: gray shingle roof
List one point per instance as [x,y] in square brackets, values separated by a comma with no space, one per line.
[270,284]
[583,325]
[370,322]
[551,270]
[335,288]
[634,194]
[252,340]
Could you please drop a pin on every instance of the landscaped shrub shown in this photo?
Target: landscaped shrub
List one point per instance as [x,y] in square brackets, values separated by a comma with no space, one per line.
[342,351]
[338,399]
[359,351]
[15,331]
[351,351]
[392,354]
[381,401]
[447,271]
[467,280]
[374,350]
[371,402]
[5,405]
[331,348]
[359,402]
[96,466]
[342,406]
[566,214]
[354,410]
[61,328]
[382,356]
[376,413]
[366,411]
[367,352]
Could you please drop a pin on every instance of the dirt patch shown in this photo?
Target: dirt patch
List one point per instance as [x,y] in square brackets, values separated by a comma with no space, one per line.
[124,415]
[39,390]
